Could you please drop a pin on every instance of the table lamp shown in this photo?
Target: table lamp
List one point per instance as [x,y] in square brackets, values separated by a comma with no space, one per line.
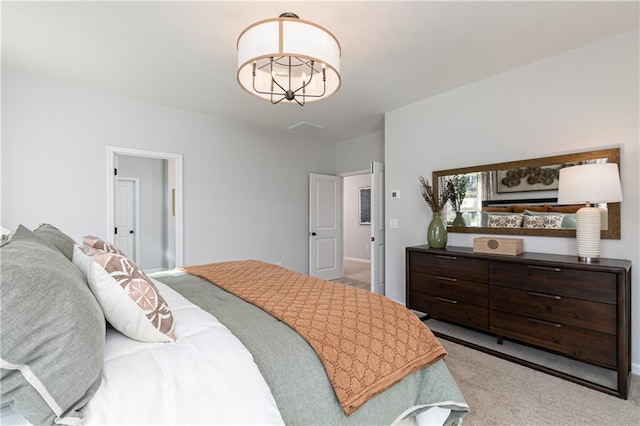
[589,183]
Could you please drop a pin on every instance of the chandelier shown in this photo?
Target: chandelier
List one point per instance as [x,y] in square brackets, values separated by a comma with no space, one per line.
[287,58]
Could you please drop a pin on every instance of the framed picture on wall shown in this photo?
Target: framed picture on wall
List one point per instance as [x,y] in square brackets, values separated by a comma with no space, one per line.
[526,179]
[364,205]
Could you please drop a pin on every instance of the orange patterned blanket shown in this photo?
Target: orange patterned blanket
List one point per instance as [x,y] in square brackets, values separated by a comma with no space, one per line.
[365,341]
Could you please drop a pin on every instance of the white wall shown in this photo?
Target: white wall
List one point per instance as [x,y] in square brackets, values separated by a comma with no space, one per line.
[152,175]
[357,237]
[246,190]
[357,154]
[581,100]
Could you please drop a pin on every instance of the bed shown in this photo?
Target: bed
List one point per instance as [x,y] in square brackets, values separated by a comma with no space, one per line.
[209,357]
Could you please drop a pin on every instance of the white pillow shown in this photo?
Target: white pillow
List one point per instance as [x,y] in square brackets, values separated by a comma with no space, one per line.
[543,222]
[129,299]
[506,221]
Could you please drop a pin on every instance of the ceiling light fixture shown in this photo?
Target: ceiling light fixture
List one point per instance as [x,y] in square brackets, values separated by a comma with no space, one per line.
[287,58]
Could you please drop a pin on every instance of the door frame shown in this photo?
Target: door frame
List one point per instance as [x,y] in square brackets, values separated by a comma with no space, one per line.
[136,215]
[112,153]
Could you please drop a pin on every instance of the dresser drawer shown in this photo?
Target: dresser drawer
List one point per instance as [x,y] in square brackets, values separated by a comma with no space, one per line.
[448,265]
[451,310]
[552,307]
[451,288]
[579,284]
[586,345]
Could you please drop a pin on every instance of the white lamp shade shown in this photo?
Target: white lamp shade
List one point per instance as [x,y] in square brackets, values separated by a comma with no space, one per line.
[288,37]
[590,183]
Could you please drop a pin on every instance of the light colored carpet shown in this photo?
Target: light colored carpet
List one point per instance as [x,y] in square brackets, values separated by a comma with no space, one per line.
[500,392]
[356,274]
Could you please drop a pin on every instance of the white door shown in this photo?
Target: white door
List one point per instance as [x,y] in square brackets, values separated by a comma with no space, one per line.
[125,216]
[377,227]
[325,226]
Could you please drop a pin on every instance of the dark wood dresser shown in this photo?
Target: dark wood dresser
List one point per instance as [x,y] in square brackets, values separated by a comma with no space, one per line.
[552,302]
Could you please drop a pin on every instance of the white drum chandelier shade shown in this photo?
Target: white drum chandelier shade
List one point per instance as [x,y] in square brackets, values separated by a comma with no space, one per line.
[290,59]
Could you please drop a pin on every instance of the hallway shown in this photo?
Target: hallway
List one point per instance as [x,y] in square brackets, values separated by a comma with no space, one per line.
[357,274]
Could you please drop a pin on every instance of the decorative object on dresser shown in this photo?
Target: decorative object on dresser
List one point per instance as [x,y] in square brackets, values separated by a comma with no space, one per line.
[555,303]
[436,231]
[590,183]
[506,246]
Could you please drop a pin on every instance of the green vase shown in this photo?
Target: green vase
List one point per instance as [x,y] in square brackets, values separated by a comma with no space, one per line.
[437,232]
[459,220]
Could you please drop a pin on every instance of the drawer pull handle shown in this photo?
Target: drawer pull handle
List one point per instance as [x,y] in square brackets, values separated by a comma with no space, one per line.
[548,296]
[440,256]
[453,280]
[442,299]
[552,324]
[544,268]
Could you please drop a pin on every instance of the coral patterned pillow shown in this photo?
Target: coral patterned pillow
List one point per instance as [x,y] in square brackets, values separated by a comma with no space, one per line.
[129,299]
[507,221]
[100,244]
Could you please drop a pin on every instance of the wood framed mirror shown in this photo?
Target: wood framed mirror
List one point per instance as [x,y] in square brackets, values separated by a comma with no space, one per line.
[526,187]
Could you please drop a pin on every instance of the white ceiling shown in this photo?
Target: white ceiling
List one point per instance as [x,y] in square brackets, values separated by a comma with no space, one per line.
[394,53]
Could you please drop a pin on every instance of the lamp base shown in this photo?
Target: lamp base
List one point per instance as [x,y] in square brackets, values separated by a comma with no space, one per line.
[588,226]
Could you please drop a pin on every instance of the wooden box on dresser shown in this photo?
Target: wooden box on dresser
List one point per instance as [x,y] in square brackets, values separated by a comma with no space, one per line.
[553,302]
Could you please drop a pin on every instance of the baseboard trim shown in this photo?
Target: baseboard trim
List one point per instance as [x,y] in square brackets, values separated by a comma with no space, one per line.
[353,259]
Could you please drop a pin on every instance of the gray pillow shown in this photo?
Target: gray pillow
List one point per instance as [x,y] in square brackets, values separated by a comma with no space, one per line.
[52,332]
[59,239]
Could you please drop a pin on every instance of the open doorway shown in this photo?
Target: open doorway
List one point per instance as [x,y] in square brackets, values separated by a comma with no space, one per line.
[357,230]
[145,239]
[146,217]
[327,223]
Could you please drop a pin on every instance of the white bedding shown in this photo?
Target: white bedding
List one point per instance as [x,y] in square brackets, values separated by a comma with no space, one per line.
[206,376]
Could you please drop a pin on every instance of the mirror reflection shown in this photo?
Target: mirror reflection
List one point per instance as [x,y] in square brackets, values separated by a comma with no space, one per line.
[520,197]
